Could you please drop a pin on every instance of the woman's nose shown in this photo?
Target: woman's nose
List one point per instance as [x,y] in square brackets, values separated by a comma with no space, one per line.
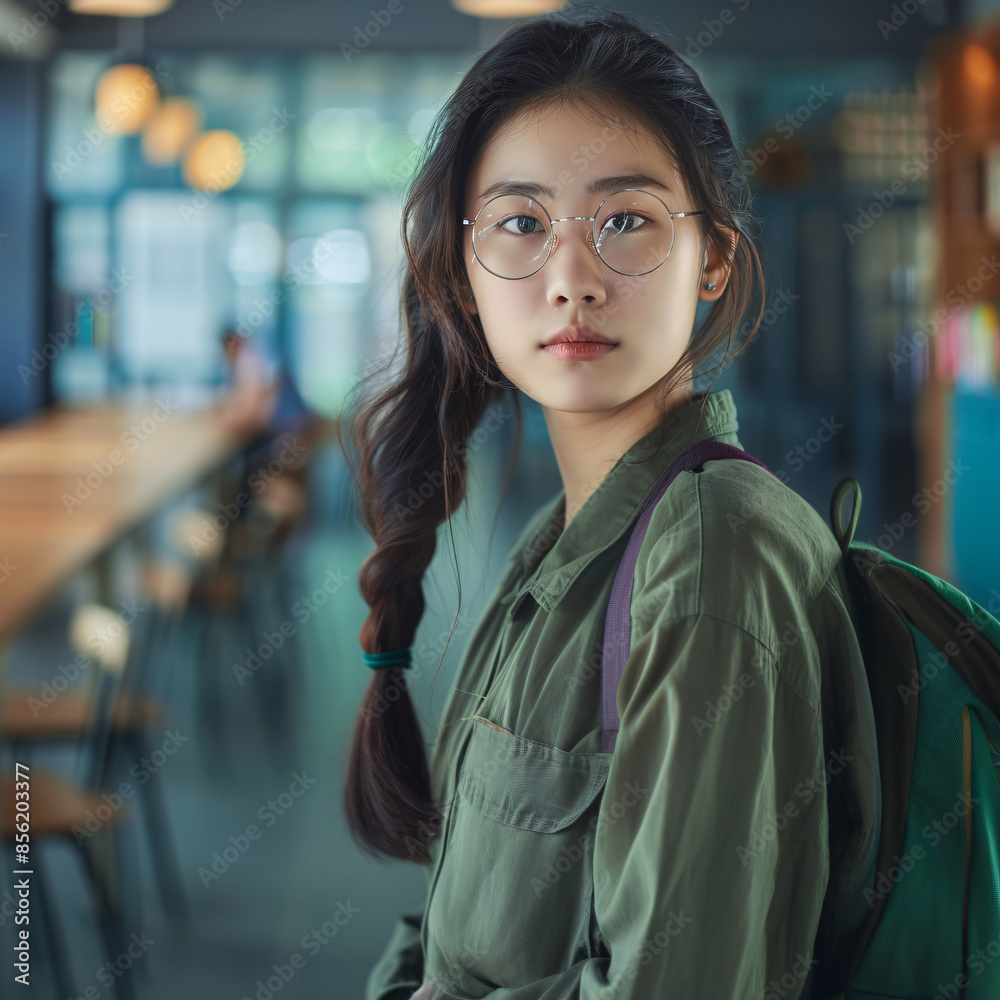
[577,274]
[588,236]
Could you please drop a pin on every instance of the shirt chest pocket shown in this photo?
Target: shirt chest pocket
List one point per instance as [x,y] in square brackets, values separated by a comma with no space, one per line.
[528,785]
[514,896]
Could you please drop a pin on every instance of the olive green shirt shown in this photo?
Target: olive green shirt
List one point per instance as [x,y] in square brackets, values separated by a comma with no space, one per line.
[692,862]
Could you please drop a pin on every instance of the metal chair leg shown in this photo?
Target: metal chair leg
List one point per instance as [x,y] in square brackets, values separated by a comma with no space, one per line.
[209,702]
[110,918]
[62,977]
[165,864]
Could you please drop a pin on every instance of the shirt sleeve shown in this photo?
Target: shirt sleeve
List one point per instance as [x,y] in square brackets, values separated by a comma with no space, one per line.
[710,850]
[398,974]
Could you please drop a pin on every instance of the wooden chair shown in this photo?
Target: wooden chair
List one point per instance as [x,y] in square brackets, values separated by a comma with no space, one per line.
[252,589]
[26,719]
[75,811]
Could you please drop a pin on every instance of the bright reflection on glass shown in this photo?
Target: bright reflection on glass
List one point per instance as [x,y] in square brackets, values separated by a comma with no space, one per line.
[420,121]
[342,256]
[339,256]
[254,253]
[300,262]
[341,128]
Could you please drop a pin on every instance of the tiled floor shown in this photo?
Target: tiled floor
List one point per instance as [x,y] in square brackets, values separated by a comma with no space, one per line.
[303,887]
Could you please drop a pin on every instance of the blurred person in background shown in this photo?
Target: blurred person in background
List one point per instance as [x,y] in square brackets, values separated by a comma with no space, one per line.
[263,402]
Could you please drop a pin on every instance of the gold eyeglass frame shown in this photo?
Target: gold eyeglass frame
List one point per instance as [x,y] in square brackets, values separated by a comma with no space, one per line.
[553,239]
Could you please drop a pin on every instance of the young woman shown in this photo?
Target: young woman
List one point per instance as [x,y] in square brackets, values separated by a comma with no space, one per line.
[581,196]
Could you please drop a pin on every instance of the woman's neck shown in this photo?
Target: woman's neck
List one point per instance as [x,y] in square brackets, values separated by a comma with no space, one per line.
[587,445]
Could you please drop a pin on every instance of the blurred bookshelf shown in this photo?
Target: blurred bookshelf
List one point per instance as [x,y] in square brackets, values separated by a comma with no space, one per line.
[959,421]
[849,268]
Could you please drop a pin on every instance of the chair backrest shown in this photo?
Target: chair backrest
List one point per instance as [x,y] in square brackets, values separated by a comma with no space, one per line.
[104,636]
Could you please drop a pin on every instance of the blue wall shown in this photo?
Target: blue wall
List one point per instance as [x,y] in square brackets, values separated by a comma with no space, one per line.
[976,537]
[21,236]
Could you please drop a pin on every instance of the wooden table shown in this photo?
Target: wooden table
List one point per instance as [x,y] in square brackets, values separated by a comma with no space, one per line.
[73,481]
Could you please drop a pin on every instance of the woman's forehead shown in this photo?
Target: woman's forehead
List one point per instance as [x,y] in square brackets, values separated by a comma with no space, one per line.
[569,121]
[555,145]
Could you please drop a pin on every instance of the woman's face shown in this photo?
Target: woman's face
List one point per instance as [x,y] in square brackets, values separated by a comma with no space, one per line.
[649,317]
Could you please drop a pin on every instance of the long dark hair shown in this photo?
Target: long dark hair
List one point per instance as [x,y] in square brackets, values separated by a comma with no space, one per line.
[412,430]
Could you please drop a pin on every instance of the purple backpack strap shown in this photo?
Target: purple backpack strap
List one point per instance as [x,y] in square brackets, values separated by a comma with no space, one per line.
[618,624]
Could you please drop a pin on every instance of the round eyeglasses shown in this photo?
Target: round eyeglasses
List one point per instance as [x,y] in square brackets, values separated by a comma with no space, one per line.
[633,233]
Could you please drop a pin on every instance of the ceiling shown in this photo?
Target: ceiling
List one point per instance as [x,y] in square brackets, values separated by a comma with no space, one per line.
[757,27]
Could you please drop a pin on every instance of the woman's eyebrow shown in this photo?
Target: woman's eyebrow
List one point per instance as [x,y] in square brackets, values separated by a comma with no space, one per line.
[598,186]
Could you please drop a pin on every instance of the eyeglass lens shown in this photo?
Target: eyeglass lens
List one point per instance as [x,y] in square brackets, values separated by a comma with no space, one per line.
[513,235]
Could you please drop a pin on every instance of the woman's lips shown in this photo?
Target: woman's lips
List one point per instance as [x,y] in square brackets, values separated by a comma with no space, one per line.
[581,350]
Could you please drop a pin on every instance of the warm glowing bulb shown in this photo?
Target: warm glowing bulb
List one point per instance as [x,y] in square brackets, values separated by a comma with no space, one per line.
[214,161]
[507,8]
[169,129]
[120,8]
[126,96]
[979,66]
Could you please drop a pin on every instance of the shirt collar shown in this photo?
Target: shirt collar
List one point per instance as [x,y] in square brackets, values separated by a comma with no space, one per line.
[611,508]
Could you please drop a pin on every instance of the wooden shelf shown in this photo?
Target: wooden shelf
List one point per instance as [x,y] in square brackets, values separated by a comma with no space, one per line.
[966,72]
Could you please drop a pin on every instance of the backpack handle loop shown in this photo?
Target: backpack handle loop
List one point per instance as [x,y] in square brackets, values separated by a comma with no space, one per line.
[844,539]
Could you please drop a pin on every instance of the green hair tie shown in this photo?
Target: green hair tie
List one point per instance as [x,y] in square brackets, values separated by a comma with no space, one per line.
[392,658]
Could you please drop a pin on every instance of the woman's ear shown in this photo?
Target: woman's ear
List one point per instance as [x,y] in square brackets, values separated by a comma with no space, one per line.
[715,269]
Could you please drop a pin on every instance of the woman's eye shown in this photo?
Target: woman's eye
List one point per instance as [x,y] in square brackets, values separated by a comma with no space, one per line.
[523,224]
[624,222]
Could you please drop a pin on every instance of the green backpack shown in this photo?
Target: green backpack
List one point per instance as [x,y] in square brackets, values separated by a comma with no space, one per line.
[920,916]
[912,907]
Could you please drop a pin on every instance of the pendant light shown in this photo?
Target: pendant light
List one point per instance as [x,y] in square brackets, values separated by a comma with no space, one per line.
[507,8]
[120,8]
